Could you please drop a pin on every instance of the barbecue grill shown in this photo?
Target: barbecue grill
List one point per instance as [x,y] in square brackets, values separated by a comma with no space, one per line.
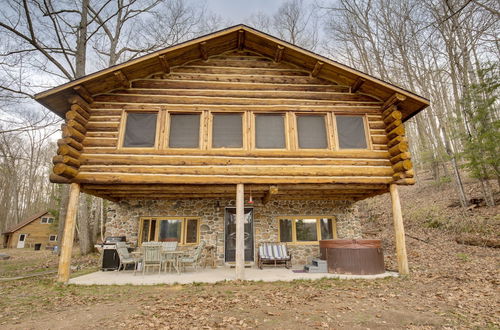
[110,258]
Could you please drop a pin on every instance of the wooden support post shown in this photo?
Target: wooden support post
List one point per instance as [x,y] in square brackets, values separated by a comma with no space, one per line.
[357,84]
[273,190]
[69,234]
[317,68]
[279,53]
[203,50]
[241,39]
[240,231]
[164,63]
[399,231]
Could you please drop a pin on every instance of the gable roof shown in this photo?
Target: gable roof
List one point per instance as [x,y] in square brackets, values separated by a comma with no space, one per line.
[56,99]
[26,222]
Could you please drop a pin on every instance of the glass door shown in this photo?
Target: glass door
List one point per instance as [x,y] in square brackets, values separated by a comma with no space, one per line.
[230,234]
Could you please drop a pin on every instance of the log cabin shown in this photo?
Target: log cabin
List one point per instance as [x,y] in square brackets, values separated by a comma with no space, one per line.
[234,138]
[38,229]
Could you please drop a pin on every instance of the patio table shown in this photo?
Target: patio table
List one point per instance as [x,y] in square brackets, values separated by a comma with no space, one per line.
[175,257]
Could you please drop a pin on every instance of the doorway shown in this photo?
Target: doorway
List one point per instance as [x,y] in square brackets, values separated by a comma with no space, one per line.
[22,239]
[230,234]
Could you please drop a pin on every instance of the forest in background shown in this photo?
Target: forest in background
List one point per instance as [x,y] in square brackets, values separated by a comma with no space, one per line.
[447,51]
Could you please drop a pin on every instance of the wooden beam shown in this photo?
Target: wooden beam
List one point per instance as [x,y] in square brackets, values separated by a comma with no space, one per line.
[279,53]
[54,178]
[273,190]
[69,234]
[399,231]
[357,84]
[71,142]
[241,39]
[122,79]
[317,68]
[203,50]
[65,170]
[240,232]
[164,63]
[394,100]
[84,93]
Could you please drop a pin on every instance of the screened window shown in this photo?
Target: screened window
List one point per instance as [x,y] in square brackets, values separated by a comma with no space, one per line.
[269,132]
[312,132]
[140,130]
[227,131]
[47,220]
[53,238]
[184,131]
[306,229]
[351,132]
[178,229]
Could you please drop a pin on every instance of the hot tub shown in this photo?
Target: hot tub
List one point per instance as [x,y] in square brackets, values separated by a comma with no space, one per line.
[353,256]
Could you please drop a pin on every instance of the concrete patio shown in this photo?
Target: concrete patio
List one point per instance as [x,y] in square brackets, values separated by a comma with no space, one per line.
[209,276]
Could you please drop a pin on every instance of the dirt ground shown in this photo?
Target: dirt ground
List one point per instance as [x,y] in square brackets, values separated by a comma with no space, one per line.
[451,286]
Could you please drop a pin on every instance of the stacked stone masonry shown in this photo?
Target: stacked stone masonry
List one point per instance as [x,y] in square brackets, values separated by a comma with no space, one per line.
[124,217]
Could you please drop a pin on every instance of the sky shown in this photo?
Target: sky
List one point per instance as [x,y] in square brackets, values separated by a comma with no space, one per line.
[238,10]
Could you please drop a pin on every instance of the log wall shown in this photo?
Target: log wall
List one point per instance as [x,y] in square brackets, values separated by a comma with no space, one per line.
[238,81]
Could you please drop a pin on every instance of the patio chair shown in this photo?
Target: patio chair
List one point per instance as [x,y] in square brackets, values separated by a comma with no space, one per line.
[274,253]
[151,257]
[125,257]
[195,258]
[169,259]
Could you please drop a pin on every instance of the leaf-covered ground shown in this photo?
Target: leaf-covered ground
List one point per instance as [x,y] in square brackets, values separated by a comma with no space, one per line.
[451,286]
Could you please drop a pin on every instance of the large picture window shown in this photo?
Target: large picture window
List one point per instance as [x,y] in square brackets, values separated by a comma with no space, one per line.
[184,131]
[184,230]
[227,130]
[269,131]
[351,132]
[140,130]
[311,131]
[304,230]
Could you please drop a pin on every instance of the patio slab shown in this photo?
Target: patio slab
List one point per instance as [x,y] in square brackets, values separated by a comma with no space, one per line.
[209,276]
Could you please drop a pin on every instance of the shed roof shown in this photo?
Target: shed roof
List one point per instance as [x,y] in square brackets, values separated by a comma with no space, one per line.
[25,222]
[56,99]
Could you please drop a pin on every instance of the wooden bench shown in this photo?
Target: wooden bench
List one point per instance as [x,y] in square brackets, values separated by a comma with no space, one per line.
[274,253]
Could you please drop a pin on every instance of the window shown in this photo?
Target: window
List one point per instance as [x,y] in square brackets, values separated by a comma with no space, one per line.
[47,220]
[269,132]
[312,132]
[184,131]
[227,130]
[53,238]
[184,230]
[140,130]
[304,230]
[351,132]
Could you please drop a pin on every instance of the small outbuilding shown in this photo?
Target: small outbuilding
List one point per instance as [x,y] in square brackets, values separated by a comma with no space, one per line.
[37,230]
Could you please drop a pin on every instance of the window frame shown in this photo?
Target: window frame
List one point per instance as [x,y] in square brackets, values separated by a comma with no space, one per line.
[123,128]
[245,129]
[369,145]
[184,220]
[168,121]
[318,228]
[47,222]
[253,131]
[329,143]
[53,240]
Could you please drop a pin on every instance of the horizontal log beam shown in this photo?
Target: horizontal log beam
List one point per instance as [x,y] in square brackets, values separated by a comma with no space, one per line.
[83,93]
[357,84]
[398,131]
[109,177]
[80,110]
[66,150]
[399,157]
[72,133]
[317,68]
[245,170]
[394,115]
[65,170]
[73,115]
[396,140]
[394,100]
[58,179]
[71,142]
[76,99]
[122,79]
[402,166]
[399,148]
[70,161]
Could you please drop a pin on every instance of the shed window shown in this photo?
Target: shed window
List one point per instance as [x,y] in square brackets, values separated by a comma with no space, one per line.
[312,132]
[351,132]
[269,132]
[140,130]
[306,230]
[184,230]
[47,220]
[184,131]
[227,131]
[53,238]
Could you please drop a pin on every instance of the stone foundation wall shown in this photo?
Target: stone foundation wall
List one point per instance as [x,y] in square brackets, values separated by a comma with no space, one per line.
[123,219]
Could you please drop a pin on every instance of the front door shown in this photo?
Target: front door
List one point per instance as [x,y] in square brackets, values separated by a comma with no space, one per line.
[230,232]
[22,239]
